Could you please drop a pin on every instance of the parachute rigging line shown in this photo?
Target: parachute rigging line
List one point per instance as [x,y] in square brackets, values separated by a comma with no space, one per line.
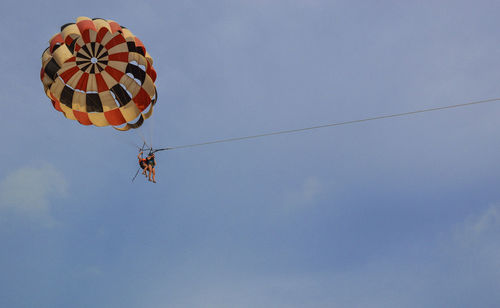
[280,132]
[138,169]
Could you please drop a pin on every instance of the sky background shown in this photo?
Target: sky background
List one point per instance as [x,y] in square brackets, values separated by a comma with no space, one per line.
[402,212]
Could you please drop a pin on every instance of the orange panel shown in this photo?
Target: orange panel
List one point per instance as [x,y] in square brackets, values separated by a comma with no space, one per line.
[68,40]
[86,36]
[100,35]
[151,72]
[115,117]
[116,74]
[115,41]
[66,76]
[114,26]
[121,56]
[142,100]
[55,102]
[72,59]
[85,25]
[101,84]
[82,83]
[56,39]
[56,106]
[82,117]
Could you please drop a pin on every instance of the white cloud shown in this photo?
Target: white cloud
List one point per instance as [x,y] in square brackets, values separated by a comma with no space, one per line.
[311,188]
[483,224]
[307,194]
[478,240]
[28,190]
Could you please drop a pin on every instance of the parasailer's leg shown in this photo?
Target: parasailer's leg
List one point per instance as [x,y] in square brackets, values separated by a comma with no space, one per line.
[150,168]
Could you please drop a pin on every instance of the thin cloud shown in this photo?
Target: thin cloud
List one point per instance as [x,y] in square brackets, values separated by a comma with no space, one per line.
[483,224]
[478,240]
[307,194]
[28,190]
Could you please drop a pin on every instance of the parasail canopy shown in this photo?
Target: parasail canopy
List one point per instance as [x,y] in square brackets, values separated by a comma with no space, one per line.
[98,73]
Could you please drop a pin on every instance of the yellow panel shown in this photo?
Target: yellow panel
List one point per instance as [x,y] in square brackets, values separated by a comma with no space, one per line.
[149,86]
[89,69]
[148,57]
[101,57]
[121,66]
[123,47]
[79,101]
[92,83]
[47,92]
[130,111]
[80,42]
[46,56]
[140,59]
[81,18]
[47,82]
[56,88]
[98,119]
[71,31]
[131,85]
[149,113]
[92,35]
[101,23]
[107,37]
[68,113]
[127,34]
[73,81]
[62,54]
[66,66]
[108,102]
[110,81]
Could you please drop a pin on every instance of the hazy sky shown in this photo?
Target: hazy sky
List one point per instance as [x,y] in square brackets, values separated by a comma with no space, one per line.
[401,212]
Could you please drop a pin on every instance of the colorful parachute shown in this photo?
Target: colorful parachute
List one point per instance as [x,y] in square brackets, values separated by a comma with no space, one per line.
[98,73]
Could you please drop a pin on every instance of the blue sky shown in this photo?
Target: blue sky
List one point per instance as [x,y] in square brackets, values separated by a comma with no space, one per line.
[403,212]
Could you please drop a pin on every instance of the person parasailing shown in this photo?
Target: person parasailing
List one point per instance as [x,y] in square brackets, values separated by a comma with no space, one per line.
[143,164]
[150,159]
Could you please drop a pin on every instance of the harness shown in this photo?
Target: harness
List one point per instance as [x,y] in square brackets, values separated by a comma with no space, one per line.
[151,161]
